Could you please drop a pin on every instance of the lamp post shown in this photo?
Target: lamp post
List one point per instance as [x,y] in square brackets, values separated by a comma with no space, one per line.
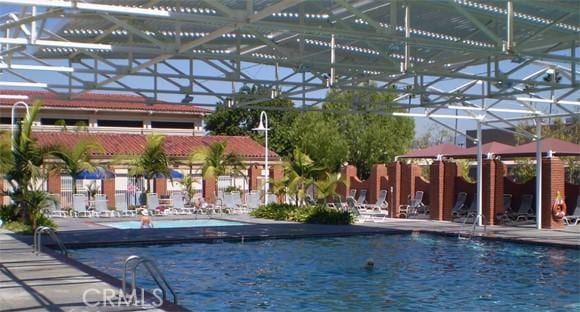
[263,126]
[12,121]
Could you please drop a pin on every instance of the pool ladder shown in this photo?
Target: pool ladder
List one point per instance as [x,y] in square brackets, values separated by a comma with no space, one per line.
[37,240]
[133,263]
[473,228]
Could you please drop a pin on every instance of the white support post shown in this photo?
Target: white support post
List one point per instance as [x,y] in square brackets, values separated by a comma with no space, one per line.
[510,27]
[479,176]
[332,59]
[33,33]
[407,36]
[538,174]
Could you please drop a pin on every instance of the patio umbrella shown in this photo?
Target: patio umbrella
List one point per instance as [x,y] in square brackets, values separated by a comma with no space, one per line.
[98,174]
[173,173]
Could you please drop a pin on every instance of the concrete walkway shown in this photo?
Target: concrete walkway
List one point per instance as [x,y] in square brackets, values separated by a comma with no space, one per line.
[47,282]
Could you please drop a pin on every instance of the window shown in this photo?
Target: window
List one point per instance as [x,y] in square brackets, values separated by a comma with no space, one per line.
[63,122]
[172,125]
[120,123]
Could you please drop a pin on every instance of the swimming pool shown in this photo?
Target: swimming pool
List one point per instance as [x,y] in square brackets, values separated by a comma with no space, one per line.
[411,273]
[165,224]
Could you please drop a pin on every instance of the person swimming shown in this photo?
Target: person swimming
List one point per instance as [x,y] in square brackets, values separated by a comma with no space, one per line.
[146,221]
[370,265]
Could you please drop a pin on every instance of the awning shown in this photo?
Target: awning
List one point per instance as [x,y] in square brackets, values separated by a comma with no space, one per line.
[495,148]
[434,151]
[556,146]
[98,174]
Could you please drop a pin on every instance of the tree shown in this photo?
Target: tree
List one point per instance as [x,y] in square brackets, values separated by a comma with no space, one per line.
[216,162]
[326,187]
[434,135]
[240,120]
[77,159]
[152,162]
[300,172]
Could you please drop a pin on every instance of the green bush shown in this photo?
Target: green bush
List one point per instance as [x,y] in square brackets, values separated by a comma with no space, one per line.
[310,214]
[8,213]
[20,227]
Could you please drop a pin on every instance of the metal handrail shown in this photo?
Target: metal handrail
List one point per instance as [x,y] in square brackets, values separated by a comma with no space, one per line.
[153,270]
[37,245]
[472,232]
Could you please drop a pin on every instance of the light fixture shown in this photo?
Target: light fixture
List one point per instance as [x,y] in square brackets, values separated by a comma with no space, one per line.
[552,76]
[263,126]
[187,99]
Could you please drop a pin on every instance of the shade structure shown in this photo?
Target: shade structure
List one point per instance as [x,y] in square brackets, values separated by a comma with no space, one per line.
[494,148]
[98,174]
[434,151]
[556,146]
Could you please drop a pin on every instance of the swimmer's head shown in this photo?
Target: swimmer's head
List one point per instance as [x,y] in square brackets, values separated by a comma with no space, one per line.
[370,264]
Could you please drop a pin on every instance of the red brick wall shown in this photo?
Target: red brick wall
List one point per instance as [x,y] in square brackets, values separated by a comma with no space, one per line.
[394,184]
[348,172]
[209,189]
[552,182]
[109,191]
[161,186]
[572,192]
[374,182]
[423,185]
[53,184]
[492,200]
[437,178]
[254,172]
[276,173]
[517,190]
[408,188]
[450,177]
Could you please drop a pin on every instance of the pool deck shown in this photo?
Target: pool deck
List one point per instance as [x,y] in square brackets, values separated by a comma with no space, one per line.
[53,282]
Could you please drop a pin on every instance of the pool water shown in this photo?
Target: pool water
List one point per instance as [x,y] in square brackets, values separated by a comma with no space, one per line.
[165,224]
[411,273]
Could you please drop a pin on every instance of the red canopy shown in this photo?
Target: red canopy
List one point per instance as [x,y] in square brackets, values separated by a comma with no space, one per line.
[434,151]
[491,147]
[558,147]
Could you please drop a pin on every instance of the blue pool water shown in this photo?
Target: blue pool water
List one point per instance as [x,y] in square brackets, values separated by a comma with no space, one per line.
[411,273]
[164,224]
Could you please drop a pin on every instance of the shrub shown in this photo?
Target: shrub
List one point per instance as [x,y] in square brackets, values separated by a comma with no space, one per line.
[309,214]
[232,188]
[8,213]
[23,228]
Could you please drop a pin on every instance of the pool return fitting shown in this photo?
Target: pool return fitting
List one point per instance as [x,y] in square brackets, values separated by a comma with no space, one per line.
[37,240]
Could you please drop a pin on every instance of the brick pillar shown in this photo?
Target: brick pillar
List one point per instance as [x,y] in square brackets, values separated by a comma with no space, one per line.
[53,185]
[378,171]
[552,182]
[254,172]
[451,172]
[408,174]
[109,191]
[209,189]
[161,186]
[276,174]
[437,180]
[347,173]
[394,188]
[492,196]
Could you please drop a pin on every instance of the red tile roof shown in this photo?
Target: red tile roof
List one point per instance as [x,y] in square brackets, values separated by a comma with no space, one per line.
[558,147]
[103,101]
[495,148]
[176,146]
[434,151]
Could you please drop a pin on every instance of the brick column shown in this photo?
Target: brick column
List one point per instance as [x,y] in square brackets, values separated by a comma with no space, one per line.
[109,191]
[53,183]
[394,188]
[451,172]
[254,172]
[347,172]
[492,196]
[378,171]
[209,189]
[437,180]
[552,182]
[161,186]
[276,174]
[408,174]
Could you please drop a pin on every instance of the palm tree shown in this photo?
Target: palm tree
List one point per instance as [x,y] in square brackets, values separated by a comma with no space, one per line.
[301,172]
[153,162]
[77,159]
[326,187]
[216,162]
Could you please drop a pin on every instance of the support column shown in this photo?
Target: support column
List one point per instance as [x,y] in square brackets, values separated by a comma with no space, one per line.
[450,173]
[552,183]
[492,190]
[408,174]
[394,185]
[377,172]
[161,186]
[276,174]
[347,172]
[254,172]
[437,180]
[53,184]
[209,189]
[109,191]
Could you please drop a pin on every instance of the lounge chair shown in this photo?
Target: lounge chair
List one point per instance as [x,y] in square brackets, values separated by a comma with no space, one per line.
[414,207]
[574,215]
[239,206]
[178,205]
[80,206]
[524,213]
[458,208]
[253,201]
[380,205]
[121,206]
[153,203]
[309,200]
[507,209]
[362,216]
[352,193]
[272,198]
[362,198]
[52,209]
[101,208]
[228,205]
[336,204]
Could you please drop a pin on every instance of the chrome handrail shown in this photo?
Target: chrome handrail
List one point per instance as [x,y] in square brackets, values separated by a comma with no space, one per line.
[37,238]
[472,232]
[153,270]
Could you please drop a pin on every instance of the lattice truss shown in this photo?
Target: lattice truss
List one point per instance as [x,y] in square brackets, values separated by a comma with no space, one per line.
[481,60]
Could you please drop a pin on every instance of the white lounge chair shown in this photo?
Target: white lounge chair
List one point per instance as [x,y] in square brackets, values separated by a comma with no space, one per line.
[121,206]
[80,206]
[272,198]
[381,205]
[253,201]
[575,215]
[363,216]
[238,205]
[153,203]
[53,211]
[101,208]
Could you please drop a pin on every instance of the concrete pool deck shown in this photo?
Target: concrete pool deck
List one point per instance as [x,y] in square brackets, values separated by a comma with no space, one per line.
[52,282]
